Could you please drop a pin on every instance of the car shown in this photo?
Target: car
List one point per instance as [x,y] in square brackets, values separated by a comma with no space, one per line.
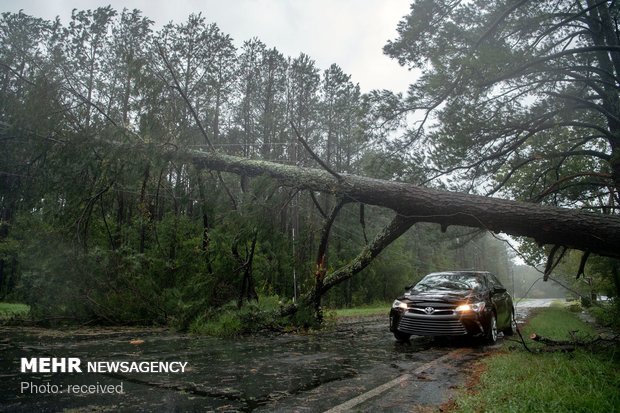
[454,303]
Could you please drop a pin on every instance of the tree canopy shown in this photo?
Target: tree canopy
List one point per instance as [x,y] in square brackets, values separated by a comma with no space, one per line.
[518,98]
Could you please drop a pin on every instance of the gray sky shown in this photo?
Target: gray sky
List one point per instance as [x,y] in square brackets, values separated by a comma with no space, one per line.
[350,33]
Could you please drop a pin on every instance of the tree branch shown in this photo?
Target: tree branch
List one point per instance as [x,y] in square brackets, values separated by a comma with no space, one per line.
[317,205]
[314,155]
[177,86]
[520,70]
[556,185]
[551,264]
[398,226]
[499,20]
[582,264]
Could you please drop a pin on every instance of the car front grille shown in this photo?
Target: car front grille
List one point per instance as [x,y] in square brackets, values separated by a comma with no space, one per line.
[436,310]
[432,325]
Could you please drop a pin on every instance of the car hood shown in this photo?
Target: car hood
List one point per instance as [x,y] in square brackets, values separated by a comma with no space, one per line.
[447,296]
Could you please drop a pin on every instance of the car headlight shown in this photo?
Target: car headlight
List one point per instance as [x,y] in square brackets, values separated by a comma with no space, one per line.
[399,304]
[475,307]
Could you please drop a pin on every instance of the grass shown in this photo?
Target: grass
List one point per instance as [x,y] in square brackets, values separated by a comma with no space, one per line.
[10,310]
[365,311]
[518,381]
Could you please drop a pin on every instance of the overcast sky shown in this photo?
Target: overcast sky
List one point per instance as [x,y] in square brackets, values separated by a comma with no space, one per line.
[350,33]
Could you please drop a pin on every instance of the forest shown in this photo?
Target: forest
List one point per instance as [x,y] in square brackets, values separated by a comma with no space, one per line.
[103,220]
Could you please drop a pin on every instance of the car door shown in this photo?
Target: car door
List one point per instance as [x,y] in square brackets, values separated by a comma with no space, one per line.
[501,301]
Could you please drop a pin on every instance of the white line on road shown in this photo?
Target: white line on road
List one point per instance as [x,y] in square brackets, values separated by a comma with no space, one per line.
[348,405]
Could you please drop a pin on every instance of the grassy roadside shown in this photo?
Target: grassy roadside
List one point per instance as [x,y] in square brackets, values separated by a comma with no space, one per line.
[9,310]
[517,381]
[366,311]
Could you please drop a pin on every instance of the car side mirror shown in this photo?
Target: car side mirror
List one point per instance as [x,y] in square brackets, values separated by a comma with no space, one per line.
[499,290]
[408,287]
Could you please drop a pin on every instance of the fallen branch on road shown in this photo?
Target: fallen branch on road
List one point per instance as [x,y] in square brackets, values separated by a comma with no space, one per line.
[574,343]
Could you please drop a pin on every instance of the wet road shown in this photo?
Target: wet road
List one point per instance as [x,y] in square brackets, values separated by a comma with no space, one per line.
[289,372]
[536,302]
[523,307]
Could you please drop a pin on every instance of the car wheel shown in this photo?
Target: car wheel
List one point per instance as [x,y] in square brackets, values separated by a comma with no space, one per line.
[401,336]
[491,333]
[512,327]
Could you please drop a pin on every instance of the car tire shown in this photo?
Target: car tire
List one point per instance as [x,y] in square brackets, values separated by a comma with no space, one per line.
[512,327]
[401,336]
[490,335]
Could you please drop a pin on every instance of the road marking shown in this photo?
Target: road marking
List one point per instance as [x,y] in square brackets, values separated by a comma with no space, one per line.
[348,405]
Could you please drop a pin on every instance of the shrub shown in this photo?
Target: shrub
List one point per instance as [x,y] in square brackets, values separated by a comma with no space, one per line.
[586,302]
[607,314]
[230,321]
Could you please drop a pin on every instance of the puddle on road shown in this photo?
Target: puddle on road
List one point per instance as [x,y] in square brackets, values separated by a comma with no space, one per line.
[222,374]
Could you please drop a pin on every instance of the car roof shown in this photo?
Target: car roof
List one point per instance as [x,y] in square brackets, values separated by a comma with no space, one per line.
[464,272]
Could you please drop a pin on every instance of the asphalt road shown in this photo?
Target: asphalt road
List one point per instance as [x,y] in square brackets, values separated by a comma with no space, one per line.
[355,365]
[536,302]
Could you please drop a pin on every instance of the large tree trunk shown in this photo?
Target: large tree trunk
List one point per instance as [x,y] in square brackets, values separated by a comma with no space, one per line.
[321,259]
[576,229]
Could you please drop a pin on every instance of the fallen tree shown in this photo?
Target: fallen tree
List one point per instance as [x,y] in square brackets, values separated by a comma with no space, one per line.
[586,231]
[568,228]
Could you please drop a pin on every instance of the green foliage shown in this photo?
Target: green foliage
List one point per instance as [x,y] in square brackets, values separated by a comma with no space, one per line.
[226,324]
[607,313]
[231,321]
[574,307]
[586,302]
[106,286]
[12,310]
[9,249]
[512,99]
[305,318]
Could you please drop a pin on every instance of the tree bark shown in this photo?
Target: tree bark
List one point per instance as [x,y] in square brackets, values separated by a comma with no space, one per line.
[248,289]
[321,259]
[586,231]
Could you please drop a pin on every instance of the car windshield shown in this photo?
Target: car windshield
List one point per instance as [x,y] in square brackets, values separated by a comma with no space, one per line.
[449,281]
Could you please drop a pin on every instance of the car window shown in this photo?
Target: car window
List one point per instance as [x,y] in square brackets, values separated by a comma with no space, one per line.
[494,281]
[449,281]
